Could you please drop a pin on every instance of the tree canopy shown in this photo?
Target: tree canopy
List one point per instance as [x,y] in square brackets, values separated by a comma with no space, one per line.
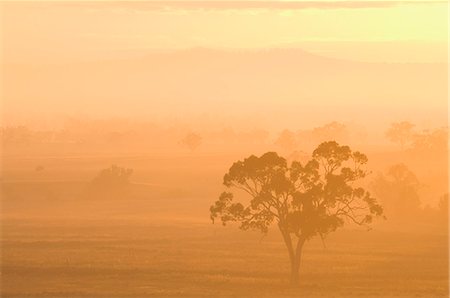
[306,199]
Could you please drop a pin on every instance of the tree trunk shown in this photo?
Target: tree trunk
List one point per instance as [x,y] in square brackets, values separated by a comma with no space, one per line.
[295,279]
[295,263]
[294,255]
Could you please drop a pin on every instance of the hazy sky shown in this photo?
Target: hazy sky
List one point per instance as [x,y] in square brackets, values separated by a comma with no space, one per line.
[53,53]
[51,31]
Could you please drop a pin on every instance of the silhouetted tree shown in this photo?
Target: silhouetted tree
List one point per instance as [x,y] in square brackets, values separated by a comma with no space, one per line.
[401,133]
[304,200]
[192,141]
[398,191]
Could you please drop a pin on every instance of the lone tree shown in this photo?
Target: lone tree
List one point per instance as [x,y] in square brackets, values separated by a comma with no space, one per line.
[304,200]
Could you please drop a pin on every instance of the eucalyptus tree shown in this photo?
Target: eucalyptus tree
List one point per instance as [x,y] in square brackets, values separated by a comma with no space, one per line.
[303,200]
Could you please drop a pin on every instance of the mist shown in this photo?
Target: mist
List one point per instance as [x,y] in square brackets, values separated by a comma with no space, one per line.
[149,150]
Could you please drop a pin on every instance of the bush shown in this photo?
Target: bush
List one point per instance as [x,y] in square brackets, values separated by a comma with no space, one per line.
[113,182]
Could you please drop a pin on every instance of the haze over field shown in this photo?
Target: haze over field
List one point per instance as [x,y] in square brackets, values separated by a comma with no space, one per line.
[128,126]
[185,60]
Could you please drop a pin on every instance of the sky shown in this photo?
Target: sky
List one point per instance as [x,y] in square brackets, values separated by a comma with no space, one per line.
[101,59]
[364,30]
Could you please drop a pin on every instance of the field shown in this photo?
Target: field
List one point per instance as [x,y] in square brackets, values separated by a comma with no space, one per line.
[160,242]
[146,260]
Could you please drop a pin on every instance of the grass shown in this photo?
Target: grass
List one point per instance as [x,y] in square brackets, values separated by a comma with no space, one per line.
[159,242]
[147,260]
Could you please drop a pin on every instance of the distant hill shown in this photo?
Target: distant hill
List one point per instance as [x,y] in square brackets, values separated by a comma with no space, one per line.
[209,80]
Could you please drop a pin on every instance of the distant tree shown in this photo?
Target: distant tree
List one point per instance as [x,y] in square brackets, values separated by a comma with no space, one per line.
[401,133]
[331,131]
[112,182]
[434,141]
[443,207]
[287,140]
[192,141]
[334,130]
[304,200]
[398,191]
[16,135]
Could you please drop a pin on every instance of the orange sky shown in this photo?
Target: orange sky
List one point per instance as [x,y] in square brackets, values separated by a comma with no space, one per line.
[51,31]
[53,52]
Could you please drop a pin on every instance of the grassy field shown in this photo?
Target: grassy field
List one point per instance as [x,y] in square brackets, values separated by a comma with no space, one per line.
[159,242]
[131,259]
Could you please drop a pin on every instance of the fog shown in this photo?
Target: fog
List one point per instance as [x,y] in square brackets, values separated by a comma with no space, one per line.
[160,153]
